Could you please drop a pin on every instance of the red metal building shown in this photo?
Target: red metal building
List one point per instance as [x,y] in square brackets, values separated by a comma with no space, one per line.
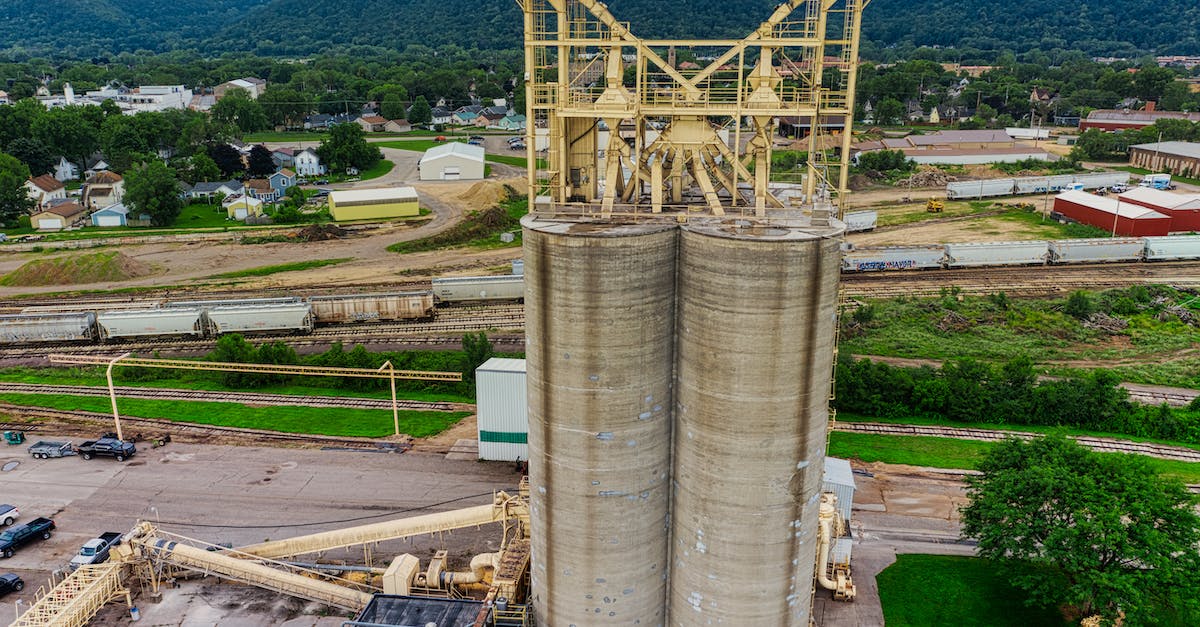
[1112,214]
[1184,209]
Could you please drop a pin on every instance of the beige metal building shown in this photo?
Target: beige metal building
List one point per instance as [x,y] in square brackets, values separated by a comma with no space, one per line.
[502,410]
[453,161]
[1179,158]
[374,204]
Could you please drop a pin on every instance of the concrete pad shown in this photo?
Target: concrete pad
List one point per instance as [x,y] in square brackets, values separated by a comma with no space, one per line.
[464,450]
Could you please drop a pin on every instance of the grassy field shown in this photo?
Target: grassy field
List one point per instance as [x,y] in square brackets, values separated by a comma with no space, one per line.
[180,379]
[1149,351]
[371,423]
[383,167]
[283,267]
[926,590]
[954,454]
[93,267]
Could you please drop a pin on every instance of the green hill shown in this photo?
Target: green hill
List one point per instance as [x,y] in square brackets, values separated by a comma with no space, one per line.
[974,28]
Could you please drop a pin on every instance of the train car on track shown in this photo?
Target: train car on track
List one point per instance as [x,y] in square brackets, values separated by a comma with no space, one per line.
[178,321]
[372,307]
[479,289]
[860,221]
[259,318]
[1172,248]
[1098,250]
[976,254]
[875,258]
[209,304]
[47,327]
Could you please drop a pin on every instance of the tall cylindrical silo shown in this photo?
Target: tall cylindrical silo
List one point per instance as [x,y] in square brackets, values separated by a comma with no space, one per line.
[599,305]
[756,315]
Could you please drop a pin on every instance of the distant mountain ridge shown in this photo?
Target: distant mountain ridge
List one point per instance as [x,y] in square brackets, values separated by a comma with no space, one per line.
[84,28]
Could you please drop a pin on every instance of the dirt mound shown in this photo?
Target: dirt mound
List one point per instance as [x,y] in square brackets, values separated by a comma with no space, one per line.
[105,267]
[319,233]
[484,195]
[934,178]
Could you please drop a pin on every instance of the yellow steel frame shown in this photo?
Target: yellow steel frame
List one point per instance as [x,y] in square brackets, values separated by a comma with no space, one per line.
[575,56]
[77,598]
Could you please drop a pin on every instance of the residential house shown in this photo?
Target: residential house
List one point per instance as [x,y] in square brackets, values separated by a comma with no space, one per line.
[253,86]
[262,190]
[318,120]
[242,207]
[512,123]
[397,126]
[464,118]
[95,165]
[441,115]
[4,98]
[284,157]
[308,163]
[44,188]
[281,181]
[113,215]
[372,123]
[209,190]
[103,189]
[59,216]
[65,171]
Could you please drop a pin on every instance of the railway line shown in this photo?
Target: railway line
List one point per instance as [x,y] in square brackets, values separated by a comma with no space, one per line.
[1103,445]
[208,396]
[54,421]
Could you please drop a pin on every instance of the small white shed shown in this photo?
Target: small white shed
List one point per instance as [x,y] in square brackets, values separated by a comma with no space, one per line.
[452,161]
[502,412]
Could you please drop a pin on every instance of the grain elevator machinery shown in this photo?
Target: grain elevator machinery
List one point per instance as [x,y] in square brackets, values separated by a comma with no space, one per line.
[623,127]
[681,314]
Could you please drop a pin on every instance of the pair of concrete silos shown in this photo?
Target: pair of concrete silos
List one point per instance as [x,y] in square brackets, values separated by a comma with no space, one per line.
[679,377]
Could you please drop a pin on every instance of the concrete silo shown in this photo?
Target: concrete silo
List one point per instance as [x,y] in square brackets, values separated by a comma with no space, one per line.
[755,324]
[599,306]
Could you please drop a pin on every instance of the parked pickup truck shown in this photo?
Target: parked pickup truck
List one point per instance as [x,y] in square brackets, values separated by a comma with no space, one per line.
[96,551]
[109,446]
[17,537]
[44,449]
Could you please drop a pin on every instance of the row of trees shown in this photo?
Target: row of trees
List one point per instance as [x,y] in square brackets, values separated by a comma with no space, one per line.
[966,390]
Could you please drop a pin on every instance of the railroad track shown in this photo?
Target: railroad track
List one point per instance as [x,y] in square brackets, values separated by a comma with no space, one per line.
[208,396]
[1105,445]
[56,421]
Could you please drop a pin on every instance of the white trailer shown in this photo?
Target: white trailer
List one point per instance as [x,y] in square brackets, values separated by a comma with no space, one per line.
[867,259]
[964,255]
[151,322]
[858,221]
[987,188]
[480,288]
[261,318]
[1172,248]
[46,327]
[1097,250]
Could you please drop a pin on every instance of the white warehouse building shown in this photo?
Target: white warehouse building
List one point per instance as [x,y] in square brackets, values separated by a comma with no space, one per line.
[452,161]
[502,412]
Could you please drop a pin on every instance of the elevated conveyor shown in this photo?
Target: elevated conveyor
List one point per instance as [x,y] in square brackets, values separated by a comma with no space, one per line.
[76,599]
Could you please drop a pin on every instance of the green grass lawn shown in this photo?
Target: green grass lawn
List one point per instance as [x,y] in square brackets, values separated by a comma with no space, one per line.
[954,591]
[203,215]
[202,381]
[383,167]
[954,454]
[371,423]
[283,267]
[284,136]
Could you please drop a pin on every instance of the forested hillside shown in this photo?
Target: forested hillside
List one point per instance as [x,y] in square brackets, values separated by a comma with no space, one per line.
[966,30]
[89,28]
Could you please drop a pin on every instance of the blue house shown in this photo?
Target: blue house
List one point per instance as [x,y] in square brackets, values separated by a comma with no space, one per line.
[112,215]
[281,181]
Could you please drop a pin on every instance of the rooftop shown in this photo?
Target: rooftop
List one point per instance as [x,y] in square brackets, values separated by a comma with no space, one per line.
[381,194]
[1160,198]
[1174,149]
[46,182]
[502,364]
[1110,205]
[389,609]
[455,148]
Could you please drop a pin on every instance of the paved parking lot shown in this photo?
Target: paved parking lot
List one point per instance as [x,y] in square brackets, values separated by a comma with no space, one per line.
[240,495]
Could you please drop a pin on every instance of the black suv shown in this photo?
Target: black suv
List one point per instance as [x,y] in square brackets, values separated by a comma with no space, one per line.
[10,583]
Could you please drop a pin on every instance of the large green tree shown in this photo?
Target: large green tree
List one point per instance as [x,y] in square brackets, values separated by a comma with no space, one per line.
[237,108]
[68,131]
[421,112]
[347,147]
[14,199]
[1113,536]
[152,189]
[285,107]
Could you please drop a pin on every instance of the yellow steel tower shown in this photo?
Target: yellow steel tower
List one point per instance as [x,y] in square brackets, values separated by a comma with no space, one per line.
[619,127]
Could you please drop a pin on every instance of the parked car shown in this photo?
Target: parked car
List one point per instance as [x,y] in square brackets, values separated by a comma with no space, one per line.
[96,550]
[17,537]
[109,446]
[8,514]
[9,582]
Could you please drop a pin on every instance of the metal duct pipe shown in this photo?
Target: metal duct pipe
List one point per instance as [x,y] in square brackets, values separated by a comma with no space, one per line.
[827,516]
[479,564]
